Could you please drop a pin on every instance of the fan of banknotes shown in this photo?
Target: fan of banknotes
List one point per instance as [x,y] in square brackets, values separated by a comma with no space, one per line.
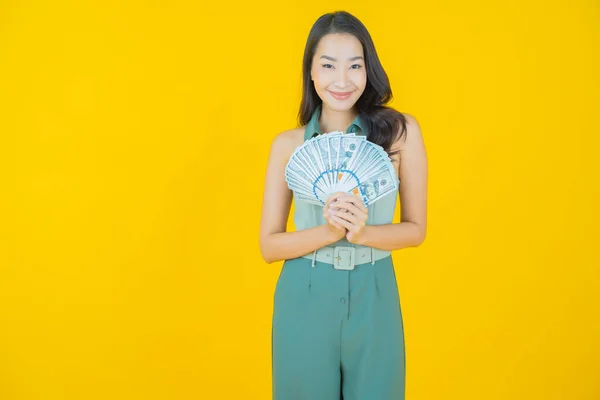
[340,162]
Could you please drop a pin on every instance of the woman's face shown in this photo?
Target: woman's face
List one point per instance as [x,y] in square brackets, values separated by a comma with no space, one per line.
[338,70]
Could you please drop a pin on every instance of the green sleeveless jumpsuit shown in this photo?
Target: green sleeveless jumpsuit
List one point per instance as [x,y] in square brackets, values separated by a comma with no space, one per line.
[337,332]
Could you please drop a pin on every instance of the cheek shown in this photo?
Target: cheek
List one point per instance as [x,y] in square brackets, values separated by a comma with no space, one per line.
[360,80]
[320,79]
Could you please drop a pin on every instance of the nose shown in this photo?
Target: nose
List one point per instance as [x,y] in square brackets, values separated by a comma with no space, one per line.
[342,78]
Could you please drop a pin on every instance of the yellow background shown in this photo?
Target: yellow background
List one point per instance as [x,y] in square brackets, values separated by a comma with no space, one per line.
[134,139]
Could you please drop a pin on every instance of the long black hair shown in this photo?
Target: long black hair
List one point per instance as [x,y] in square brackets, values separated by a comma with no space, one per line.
[381,122]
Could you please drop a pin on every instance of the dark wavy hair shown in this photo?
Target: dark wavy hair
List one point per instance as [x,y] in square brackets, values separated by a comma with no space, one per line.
[381,122]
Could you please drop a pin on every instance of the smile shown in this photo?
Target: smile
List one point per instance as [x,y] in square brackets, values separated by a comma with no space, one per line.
[340,95]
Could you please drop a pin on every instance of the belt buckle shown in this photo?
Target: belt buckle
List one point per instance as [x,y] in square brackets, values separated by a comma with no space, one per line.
[343,257]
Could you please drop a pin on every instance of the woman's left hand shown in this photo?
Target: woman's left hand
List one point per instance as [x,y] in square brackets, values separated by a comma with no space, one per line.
[350,212]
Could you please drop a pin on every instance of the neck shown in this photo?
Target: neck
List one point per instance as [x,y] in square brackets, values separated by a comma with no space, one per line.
[332,120]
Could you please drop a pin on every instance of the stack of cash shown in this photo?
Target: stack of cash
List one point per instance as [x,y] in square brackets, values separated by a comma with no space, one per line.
[340,162]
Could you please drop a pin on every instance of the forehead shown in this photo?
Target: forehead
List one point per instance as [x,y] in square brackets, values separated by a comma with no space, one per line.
[339,45]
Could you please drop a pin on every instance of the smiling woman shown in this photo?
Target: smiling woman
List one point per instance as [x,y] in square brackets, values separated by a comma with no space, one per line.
[342,78]
[337,322]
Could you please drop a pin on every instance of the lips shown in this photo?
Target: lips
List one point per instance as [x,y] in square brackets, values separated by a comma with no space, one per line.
[340,95]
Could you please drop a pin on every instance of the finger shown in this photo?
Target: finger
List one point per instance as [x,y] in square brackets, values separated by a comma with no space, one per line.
[334,205]
[349,207]
[347,216]
[336,195]
[330,221]
[356,200]
[353,219]
[333,198]
[342,222]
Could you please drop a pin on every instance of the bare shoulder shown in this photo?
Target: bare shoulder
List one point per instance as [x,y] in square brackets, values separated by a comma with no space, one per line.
[412,137]
[286,142]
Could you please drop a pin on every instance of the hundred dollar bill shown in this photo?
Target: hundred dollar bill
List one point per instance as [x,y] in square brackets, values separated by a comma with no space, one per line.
[377,186]
[349,149]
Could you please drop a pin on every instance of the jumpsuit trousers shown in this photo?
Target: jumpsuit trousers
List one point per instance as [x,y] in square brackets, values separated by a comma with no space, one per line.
[337,334]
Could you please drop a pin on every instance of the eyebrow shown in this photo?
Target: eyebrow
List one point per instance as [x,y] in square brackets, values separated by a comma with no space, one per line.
[350,59]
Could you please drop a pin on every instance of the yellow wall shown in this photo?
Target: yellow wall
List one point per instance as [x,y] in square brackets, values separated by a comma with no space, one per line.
[134,142]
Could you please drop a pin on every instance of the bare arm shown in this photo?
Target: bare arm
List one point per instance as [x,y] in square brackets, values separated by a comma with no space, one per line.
[275,243]
[412,228]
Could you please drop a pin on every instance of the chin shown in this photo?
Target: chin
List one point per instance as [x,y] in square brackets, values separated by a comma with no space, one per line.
[337,105]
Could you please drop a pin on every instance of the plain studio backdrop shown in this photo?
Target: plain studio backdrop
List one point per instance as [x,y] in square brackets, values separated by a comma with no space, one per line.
[134,140]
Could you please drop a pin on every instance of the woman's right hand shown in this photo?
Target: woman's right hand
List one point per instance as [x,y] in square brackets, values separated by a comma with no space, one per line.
[334,229]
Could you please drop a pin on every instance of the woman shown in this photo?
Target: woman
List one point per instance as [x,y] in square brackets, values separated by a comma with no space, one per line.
[337,323]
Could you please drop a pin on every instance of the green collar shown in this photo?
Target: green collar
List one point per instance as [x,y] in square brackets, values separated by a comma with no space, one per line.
[313,125]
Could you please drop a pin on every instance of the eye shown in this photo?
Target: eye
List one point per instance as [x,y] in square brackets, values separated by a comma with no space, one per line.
[356,66]
[327,65]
